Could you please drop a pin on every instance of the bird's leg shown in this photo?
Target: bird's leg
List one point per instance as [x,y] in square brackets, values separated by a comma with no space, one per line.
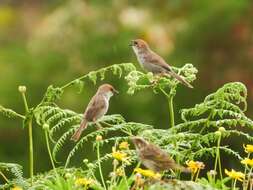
[98,125]
[173,174]
[156,79]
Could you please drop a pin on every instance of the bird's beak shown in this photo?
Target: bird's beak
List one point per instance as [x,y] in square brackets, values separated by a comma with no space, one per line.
[131,43]
[115,91]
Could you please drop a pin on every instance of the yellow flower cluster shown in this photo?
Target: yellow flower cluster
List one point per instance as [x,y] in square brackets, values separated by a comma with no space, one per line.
[120,155]
[235,175]
[248,148]
[148,173]
[83,181]
[195,166]
[247,161]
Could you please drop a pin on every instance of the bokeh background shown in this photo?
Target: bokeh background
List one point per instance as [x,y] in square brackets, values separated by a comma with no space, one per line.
[54,41]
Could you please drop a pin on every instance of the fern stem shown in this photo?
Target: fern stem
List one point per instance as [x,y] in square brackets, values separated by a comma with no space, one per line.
[245,169]
[87,75]
[73,81]
[49,152]
[170,97]
[20,115]
[30,134]
[5,178]
[217,156]
[31,149]
[99,166]
[171,110]
[220,168]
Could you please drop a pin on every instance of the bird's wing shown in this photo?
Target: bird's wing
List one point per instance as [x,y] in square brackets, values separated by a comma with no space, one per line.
[159,61]
[156,154]
[94,107]
[160,158]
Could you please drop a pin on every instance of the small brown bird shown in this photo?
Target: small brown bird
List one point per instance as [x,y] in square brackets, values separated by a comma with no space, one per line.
[154,63]
[97,107]
[154,158]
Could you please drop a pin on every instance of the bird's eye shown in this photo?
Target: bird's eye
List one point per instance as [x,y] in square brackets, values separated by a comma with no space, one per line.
[135,43]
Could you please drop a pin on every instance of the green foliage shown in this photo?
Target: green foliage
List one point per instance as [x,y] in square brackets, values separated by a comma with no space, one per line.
[196,136]
[137,80]
[219,116]
[14,172]
[218,184]
[54,93]
[10,113]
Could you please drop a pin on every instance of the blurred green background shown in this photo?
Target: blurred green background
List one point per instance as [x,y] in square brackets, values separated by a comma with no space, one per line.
[54,41]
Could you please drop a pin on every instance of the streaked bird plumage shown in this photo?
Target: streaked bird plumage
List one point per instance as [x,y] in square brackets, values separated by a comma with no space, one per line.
[154,158]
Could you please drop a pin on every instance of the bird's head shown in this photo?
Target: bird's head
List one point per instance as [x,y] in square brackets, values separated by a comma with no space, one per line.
[108,90]
[139,142]
[139,45]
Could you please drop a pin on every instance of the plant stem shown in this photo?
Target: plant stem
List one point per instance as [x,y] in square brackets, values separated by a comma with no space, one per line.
[217,156]
[171,110]
[170,97]
[197,175]
[30,148]
[234,186]
[249,178]
[5,178]
[124,176]
[30,137]
[49,151]
[245,169]
[192,176]
[220,168]
[99,166]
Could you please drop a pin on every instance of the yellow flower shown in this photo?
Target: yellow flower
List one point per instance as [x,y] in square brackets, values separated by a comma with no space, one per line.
[16,188]
[83,181]
[124,145]
[248,148]
[119,155]
[194,166]
[99,138]
[235,175]
[148,173]
[247,161]
[120,172]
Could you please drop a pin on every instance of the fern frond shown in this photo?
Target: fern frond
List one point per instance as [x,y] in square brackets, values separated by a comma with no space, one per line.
[133,127]
[10,113]
[137,80]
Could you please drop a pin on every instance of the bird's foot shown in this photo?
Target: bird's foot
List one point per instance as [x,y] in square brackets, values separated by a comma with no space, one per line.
[98,126]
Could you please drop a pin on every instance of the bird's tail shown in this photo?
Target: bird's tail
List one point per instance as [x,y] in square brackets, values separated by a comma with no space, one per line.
[180,79]
[79,131]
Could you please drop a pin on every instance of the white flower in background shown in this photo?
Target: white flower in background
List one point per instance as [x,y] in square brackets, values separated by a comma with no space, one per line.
[134,17]
[159,36]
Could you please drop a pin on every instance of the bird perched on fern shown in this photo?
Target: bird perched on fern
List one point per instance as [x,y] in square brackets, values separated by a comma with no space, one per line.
[154,158]
[97,107]
[154,63]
